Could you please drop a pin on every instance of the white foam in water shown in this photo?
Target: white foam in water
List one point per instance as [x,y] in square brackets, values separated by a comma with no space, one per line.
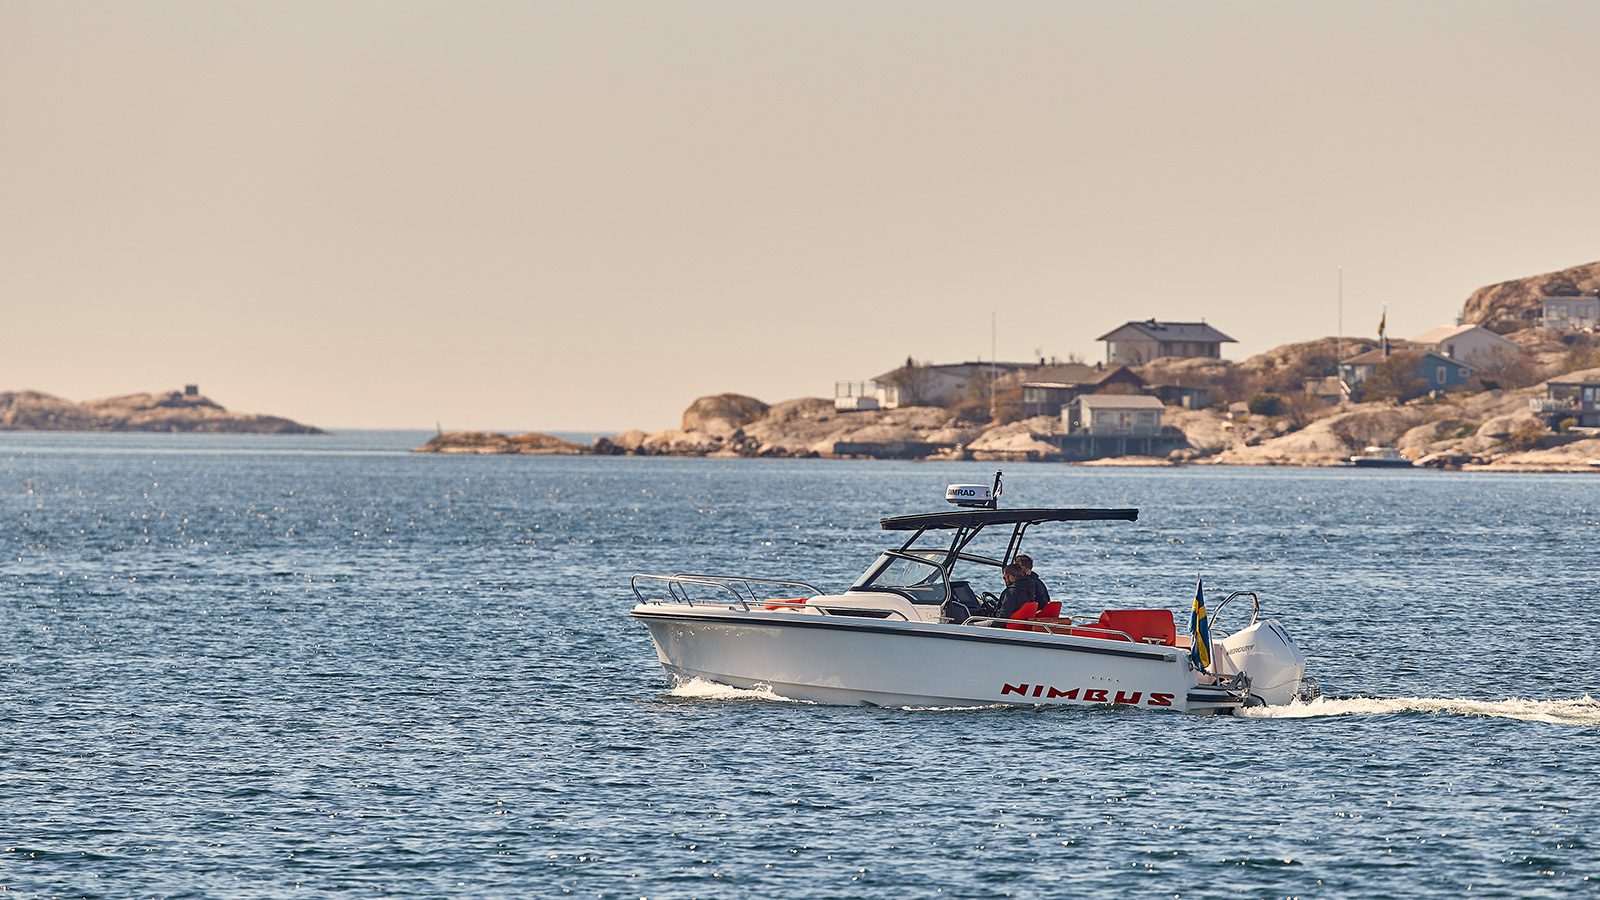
[700,689]
[1582,711]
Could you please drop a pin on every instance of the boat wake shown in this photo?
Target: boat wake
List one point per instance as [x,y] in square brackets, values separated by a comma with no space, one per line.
[1582,711]
[700,689]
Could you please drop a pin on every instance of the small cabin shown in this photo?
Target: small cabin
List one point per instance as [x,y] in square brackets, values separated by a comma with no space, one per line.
[921,384]
[1577,400]
[1132,415]
[1329,389]
[1051,388]
[1434,370]
[862,396]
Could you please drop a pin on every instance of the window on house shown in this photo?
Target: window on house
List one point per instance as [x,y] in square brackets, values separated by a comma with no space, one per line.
[1441,376]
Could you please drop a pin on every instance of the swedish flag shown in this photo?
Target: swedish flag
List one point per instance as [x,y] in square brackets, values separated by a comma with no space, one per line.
[1200,631]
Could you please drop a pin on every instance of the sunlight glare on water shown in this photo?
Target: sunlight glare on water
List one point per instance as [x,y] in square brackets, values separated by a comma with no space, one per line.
[301,666]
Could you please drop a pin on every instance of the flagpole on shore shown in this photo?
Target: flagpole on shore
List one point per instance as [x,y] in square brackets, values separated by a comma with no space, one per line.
[994,368]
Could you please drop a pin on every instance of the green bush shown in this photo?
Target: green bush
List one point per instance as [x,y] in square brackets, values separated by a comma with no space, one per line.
[1266,405]
[1526,436]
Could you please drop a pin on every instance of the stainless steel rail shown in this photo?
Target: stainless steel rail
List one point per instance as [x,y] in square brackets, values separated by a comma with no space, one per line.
[1216,615]
[739,592]
[678,592]
[749,583]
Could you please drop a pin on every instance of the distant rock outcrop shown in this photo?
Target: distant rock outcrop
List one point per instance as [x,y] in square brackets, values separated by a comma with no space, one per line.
[722,414]
[488,442]
[180,411]
[1314,356]
[1513,305]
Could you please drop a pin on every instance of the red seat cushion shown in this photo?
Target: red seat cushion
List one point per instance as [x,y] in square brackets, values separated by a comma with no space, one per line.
[1052,610]
[1141,624]
[1025,611]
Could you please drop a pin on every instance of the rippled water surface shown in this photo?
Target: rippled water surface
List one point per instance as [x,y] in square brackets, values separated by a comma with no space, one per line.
[284,666]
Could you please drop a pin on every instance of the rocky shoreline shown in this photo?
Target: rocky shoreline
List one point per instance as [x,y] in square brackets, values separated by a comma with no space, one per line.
[1269,410]
[1490,431]
[173,411]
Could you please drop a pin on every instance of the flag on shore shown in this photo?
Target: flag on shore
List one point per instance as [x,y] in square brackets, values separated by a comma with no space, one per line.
[1199,630]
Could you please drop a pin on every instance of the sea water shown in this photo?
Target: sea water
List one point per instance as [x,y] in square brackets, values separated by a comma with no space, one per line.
[292,666]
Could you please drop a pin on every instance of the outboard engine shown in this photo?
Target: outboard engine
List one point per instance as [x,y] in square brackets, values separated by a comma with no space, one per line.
[1267,654]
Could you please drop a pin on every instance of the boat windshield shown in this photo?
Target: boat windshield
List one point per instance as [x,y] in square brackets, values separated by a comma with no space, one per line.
[915,575]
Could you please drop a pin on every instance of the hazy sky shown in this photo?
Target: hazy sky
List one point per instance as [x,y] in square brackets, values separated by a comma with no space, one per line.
[583,215]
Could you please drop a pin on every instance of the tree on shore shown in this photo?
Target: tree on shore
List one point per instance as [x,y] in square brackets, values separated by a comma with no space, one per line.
[1395,378]
[913,380]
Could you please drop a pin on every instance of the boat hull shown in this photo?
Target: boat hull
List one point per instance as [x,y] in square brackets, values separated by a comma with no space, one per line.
[839,660]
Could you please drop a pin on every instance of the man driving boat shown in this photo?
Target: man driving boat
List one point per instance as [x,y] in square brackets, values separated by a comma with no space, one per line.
[1041,594]
[1019,600]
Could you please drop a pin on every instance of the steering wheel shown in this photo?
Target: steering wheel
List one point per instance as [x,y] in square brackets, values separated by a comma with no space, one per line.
[988,598]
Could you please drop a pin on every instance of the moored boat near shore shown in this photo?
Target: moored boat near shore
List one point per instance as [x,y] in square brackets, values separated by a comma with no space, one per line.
[1381,458]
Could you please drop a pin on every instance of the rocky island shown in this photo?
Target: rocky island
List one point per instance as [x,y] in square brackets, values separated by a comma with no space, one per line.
[174,411]
[1520,408]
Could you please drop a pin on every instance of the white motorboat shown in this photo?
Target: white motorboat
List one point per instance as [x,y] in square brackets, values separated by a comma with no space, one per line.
[912,631]
[1381,458]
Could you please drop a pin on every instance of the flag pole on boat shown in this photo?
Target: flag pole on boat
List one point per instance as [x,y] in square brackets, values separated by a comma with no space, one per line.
[1199,629]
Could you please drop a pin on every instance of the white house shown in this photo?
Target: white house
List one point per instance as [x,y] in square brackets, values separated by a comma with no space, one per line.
[1472,344]
[1570,313]
[1137,415]
[920,384]
[860,396]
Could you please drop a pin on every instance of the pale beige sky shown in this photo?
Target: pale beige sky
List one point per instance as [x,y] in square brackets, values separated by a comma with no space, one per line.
[583,215]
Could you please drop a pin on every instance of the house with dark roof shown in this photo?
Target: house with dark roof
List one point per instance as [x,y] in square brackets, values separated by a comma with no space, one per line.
[1141,342]
[1576,398]
[1050,388]
[1436,371]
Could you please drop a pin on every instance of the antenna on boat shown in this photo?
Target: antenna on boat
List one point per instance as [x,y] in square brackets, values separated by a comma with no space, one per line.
[974,496]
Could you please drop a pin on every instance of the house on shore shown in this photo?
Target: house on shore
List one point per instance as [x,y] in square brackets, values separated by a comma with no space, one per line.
[1434,370]
[1124,415]
[1140,342]
[861,396]
[1049,389]
[1472,344]
[922,384]
[1572,313]
[1577,399]
[1181,395]
[1330,389]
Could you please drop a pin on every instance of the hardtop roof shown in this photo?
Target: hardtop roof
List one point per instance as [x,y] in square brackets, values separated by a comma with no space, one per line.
[970,518]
